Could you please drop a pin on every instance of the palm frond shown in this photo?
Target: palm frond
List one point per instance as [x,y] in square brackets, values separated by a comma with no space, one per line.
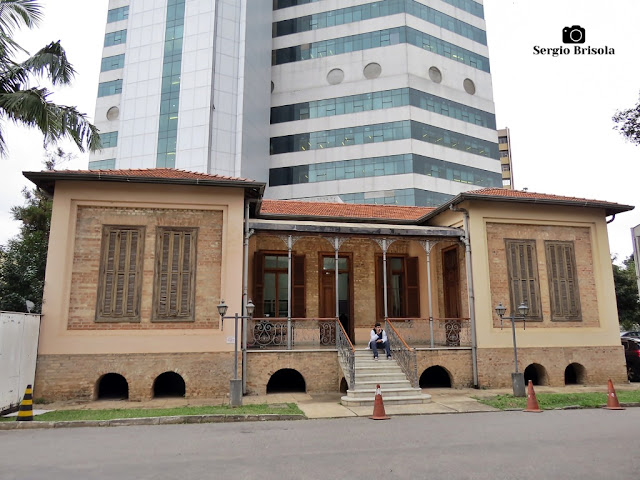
[32,108]
[50,61]
[19,13]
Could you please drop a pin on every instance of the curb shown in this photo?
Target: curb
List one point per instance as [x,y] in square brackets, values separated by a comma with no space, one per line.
[169,420]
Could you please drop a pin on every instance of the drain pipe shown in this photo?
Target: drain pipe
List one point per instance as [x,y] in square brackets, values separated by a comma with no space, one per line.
[245,290]
[472,300]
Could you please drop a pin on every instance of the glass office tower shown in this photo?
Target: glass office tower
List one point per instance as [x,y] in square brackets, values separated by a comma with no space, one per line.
[386,101]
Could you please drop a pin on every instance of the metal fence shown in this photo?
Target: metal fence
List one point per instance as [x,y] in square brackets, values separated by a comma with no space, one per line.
[281,333]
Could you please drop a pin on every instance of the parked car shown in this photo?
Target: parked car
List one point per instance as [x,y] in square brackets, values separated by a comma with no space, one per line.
[630,334]
[632,356]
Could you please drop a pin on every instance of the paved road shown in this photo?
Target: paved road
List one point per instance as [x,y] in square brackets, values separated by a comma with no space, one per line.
[575,444]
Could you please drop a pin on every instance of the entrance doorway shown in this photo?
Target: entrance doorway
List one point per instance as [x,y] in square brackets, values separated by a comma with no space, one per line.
[327,285]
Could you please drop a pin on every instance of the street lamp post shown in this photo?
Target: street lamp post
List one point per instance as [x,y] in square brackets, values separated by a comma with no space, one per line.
[517,378]
[235,385]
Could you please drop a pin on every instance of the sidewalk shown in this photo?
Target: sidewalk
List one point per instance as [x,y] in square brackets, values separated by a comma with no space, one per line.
[327,405]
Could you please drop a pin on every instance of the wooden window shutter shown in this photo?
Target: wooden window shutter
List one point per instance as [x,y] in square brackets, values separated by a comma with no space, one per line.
[120,277]
[413,288]
[522,266]
[175,274]
[563,281]
[258,284]
[298,297]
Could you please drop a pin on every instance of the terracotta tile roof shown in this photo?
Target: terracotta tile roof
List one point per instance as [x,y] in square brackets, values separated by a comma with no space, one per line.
[503,192]
[46,180]
[169,173]
[519,196]
[295,208]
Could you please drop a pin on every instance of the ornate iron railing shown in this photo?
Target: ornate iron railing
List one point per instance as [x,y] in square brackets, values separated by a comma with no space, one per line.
[404,355]
[447,332]
[347,354]
[272,332]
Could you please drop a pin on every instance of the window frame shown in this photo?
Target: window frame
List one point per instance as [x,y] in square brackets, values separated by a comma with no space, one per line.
[178,315]
[134,317]
[535,308]
[557,312]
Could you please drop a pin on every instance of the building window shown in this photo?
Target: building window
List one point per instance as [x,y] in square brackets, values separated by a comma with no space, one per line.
[112,63]
[403,292]
[109,139]
[563,281]
[120,277]
[506,168]
[381,38]
[271,283]
[115,38]
[522,266]
[502,139]
[175,274]
[117,14]
[106,164]
[109,88]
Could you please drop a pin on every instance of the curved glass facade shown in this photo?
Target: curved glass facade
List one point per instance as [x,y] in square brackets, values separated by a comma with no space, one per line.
[380,38]
[383,132]
[383,166]
[381,100]
[379,9]
[414,197]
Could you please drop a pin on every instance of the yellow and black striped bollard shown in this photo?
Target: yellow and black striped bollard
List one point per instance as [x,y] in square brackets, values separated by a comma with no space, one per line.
[25,414]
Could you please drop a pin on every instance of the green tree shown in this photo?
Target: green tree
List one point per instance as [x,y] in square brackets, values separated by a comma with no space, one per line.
[24,258]
[627,299]
[628,123]
[29,105]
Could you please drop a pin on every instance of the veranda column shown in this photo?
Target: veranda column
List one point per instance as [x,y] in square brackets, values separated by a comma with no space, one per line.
[336,247]
[428,245]
[289,283]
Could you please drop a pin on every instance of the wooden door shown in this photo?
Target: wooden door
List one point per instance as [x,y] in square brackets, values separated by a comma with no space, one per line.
[451,283]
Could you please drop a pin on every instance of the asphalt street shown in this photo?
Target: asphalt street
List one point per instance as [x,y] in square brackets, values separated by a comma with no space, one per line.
[580,444]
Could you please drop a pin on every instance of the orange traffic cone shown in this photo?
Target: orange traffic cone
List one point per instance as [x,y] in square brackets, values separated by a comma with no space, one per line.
[612,399]
[378,407]
[532,402]
[25,413]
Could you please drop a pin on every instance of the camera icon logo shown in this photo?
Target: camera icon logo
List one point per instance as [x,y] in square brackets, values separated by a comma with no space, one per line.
[574,34]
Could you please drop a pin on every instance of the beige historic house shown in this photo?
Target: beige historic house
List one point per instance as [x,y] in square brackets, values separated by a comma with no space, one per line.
[140,259]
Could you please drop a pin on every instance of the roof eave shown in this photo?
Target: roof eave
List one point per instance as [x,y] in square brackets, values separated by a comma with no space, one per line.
[47,180]
[609,208]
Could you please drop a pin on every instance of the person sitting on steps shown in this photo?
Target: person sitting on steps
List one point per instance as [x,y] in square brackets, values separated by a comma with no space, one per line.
[379,339]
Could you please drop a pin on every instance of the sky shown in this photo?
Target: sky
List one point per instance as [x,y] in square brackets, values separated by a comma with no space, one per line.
[558,109]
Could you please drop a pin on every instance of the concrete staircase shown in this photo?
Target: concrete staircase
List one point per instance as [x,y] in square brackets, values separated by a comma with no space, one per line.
[396,388]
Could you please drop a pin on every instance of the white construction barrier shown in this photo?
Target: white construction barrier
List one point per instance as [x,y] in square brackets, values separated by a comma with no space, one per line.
[18,351]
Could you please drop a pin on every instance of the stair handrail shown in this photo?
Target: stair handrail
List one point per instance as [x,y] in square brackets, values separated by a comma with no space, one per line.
[403,353]
[347,353]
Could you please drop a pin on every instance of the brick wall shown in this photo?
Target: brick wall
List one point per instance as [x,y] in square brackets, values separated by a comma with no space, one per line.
[320,370]
[363,253]
[62,377]
[86,264]
[600,364]
[457,364]
[581,237]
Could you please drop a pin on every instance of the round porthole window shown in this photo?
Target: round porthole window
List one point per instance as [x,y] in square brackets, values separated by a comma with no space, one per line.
[469,86]
[113,113]
[373,70]
[335,76]
[435,74]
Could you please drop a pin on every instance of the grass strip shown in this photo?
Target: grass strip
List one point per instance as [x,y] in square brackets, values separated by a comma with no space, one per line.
[548,401]
[259,409]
